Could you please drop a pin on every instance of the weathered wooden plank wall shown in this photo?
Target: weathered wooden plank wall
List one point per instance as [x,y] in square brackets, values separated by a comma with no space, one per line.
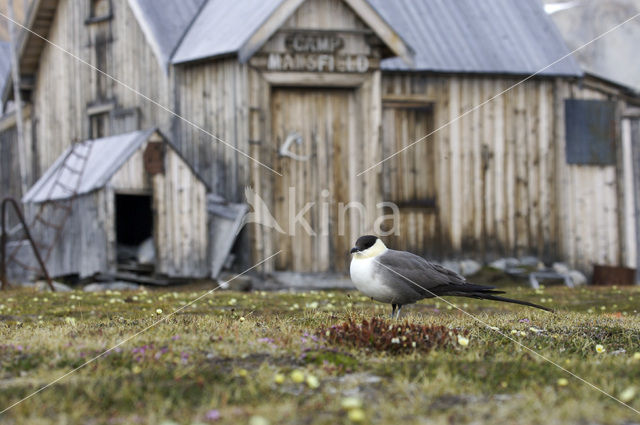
[84,247]
[630,138]
[488,170]
[503,185]
[64,83]
[9,167]
[10,184]
[179,208]
[214,97]
[179,202]
[588,206]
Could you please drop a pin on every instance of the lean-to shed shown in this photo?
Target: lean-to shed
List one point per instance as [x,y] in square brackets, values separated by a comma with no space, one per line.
[128,193]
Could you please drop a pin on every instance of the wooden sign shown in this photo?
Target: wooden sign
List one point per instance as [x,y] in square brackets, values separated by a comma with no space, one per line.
[317,63]
[309,51]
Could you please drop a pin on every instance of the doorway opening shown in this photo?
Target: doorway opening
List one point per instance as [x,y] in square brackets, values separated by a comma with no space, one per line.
[135,246]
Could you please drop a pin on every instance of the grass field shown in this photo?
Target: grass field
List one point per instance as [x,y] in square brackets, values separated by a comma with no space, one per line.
[279,358]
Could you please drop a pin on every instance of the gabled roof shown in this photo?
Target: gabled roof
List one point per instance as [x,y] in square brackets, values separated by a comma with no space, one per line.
[106,157]
[226,27]
[471,36]
[459,36]
[222,27]
[462,36]
[164,23]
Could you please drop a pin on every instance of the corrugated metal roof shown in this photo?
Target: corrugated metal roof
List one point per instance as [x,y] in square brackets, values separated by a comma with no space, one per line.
[164,22]
[222,27]
[467,36]
[470,36]
[106,157]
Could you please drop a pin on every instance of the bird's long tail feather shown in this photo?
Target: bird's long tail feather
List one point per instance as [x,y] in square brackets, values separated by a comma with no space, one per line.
[488,296]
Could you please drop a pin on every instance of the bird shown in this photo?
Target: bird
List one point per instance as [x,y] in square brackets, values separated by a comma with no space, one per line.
[400,277]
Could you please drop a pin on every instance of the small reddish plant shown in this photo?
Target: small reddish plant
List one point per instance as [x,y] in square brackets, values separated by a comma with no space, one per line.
[392,337]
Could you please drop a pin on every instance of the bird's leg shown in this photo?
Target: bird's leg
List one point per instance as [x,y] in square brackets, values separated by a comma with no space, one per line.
[398,311]
[393,309]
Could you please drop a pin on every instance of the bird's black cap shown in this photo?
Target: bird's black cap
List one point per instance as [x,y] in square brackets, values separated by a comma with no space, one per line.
[364,242]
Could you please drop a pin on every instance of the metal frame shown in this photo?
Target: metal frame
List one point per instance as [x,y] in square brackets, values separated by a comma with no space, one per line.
[3,243]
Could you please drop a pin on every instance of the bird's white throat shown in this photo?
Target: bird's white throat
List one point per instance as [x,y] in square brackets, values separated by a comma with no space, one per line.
[365,276]
[374,250]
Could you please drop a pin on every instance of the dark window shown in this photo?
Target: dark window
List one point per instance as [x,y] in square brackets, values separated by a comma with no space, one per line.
[102,44]
[590,132]
[99,125]
[100,10]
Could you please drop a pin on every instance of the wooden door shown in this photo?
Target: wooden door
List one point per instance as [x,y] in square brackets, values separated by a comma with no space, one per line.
[312,131]
[409,178]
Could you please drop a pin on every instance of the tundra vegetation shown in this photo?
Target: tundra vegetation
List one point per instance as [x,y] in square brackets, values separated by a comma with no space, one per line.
[318,358]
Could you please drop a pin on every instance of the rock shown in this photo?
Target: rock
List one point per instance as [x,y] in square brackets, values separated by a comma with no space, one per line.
[113,286]
[451,265]
[500,264]
[577,277]
[561,268]
[242,283]
[42,285]
[147,252]
[469,267]
[504,263]
[529,261]
[512,262]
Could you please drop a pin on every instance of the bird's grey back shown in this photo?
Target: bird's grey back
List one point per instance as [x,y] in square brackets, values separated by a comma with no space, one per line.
[411,273]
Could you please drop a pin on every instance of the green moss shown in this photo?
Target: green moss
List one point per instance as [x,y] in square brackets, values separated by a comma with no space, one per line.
[344,361]
[226,351]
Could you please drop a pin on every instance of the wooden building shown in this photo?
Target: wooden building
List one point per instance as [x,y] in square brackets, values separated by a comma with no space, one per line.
[133,187]
[300,99]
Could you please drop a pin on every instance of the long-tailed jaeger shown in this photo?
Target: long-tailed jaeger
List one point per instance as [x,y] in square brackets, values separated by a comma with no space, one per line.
[400,277]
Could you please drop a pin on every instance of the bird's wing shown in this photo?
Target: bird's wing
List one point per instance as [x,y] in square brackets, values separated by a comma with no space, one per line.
[410,273]
[425,277]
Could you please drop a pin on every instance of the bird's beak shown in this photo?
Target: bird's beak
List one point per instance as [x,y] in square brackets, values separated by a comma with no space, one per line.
[354,249]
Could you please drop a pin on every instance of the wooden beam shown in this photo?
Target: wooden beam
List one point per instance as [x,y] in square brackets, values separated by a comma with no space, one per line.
[310,79]
[9,120]
[390,37]
[275,21]
[361,8]
[15,75]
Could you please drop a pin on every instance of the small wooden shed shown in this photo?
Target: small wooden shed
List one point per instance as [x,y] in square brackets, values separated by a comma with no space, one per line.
[135,192]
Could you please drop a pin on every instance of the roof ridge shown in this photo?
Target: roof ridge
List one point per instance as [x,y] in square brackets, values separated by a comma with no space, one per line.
[185,32]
